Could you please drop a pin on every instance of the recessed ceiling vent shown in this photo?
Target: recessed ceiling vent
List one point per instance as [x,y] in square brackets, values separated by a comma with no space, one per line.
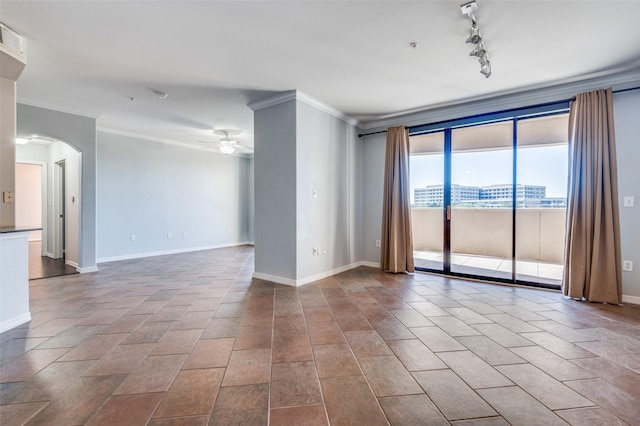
[11,40]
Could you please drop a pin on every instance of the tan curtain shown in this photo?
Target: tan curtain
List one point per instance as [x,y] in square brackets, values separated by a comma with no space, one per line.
[592,251]
[397,240]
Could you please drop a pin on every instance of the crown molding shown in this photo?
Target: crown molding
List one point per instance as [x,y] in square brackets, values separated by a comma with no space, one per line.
[302,97]
[515,98]
[142,137]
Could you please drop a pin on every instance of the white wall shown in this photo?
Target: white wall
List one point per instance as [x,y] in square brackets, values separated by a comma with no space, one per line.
[626,113]
[150,189]
[626,107]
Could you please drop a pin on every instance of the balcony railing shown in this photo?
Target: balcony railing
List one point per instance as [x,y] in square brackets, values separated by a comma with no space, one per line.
[482,237]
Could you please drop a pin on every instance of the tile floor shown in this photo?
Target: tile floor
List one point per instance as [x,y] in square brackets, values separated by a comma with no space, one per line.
[191,339]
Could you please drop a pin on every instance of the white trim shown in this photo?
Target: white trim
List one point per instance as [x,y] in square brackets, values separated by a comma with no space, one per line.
[631,299]
[87,269]
[15,321]
[71,263]
[302,97]
[275,279]
[165,252]
[497,101]
[370,264]
[150,138]
[273,100]
[312,278]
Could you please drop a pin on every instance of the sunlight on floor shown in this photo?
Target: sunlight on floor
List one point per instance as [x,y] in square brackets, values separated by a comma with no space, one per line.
[549,271]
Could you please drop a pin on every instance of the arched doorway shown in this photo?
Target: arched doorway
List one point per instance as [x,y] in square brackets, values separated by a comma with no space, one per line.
[57,250]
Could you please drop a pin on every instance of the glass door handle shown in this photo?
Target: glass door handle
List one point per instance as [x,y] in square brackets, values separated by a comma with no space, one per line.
[449,212]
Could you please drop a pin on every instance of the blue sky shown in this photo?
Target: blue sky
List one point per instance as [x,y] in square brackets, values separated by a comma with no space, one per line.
[546,165]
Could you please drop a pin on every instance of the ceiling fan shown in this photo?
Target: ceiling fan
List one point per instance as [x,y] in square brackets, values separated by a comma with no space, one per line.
[227,145]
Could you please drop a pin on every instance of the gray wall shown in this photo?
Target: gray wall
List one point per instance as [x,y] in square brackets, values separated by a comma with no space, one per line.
[324,164]
[299,149]
[372,187]
[626,108]
[275,190]
[150,189]
[80,133]
[626,113]
[7,146]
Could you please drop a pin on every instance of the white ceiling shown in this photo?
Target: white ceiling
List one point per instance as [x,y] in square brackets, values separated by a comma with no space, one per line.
[214,57]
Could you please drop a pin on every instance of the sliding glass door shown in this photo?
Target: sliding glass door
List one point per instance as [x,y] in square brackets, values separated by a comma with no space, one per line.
[542,158]
[488,199]
[427,200]
[481,201]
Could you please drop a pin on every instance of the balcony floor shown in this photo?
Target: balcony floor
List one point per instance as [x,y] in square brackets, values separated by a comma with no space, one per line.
[492,267]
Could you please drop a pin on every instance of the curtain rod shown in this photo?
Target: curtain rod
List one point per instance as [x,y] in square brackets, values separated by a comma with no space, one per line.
[497,112]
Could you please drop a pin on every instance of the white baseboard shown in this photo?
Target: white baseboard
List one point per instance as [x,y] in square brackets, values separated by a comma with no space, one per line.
[14,322]
[312,278]
[87,269]
[275,279]
[71,263]
[631,299]
[165,252]
[370,264]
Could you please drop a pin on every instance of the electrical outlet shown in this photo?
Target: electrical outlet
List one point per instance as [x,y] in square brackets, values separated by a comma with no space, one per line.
[629,201]
[627,265]
[133,237]
[315,251]
[184,235]
[169,235]
[378,243]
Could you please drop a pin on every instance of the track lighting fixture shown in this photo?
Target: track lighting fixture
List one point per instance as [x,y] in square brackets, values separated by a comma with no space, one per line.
[479,51]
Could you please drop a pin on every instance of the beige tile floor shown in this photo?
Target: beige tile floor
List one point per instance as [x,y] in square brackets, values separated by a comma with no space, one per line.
[487,264]
[192,339]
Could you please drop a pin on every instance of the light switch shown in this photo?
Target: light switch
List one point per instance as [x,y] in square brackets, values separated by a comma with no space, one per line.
[7,197]
[629,201]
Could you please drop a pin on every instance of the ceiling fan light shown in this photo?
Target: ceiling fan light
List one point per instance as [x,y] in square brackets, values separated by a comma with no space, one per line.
[228,142]
[227,149]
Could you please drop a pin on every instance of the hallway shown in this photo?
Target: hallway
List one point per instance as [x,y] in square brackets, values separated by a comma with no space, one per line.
[46,267]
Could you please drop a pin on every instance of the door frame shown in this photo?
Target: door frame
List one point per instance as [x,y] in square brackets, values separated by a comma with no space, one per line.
[59,208]
[512,115]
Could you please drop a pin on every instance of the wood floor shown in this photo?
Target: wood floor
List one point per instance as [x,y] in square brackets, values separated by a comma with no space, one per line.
[44,267]
[191,339]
